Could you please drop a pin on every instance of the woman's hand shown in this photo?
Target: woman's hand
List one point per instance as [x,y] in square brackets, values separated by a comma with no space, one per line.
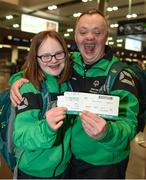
[15,95]
[93,125]
[55,117]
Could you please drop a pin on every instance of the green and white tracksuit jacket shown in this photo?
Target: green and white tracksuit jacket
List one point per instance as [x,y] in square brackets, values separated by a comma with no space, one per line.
[114,146]
[43,150]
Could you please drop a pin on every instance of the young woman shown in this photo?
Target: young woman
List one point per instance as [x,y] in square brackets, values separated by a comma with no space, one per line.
[43,142]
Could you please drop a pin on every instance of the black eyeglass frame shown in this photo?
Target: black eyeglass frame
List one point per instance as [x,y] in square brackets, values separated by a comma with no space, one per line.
[51,56]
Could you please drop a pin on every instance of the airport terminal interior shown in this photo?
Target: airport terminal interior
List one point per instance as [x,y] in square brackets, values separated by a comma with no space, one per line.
[20,20]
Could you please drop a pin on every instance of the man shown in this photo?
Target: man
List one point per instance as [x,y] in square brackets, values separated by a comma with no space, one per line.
[100,146]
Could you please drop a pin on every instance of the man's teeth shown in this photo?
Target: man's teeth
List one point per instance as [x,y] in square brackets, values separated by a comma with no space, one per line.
[89,46]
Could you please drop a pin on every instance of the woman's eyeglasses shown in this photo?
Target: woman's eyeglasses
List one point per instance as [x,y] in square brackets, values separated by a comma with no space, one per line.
[46,58]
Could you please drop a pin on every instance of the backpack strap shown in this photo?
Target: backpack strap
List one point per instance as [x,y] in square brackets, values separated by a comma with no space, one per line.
[69,87]
[45,98]
[114,71]
[10,130]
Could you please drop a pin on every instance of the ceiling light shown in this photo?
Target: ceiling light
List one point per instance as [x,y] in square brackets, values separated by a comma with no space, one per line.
[114,8]
[53,7]
[128,16]
[111,43]
[119,45]
[131,16]
[66,35]
[114,25]
[16,25]
[5,46]
[9,17]
[77,14]
[84,0]
[70,30]
[110,38]
[119,40]
[109,9]
[134,15]
[24,48]
[10,37]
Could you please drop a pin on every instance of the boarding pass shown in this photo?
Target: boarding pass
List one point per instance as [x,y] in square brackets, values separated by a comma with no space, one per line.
[106,106]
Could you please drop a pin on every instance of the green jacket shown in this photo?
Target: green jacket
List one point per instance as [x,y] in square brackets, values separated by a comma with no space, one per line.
[43,149]
[114,146]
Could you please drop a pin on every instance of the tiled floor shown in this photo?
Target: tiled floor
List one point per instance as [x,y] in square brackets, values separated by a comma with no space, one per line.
[137,163]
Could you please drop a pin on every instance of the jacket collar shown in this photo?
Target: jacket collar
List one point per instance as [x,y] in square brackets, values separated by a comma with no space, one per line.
[78,59]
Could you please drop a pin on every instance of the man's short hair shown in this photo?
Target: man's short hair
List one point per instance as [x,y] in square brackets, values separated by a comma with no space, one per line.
[92,12]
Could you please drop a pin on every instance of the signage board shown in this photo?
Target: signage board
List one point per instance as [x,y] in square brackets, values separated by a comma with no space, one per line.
[131,27]
[35,24]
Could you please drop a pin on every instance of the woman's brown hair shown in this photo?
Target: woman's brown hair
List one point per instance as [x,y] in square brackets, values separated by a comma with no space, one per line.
[32,70]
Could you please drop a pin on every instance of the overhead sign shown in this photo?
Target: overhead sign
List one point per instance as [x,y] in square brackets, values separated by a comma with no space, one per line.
[131,27]
[35,24]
